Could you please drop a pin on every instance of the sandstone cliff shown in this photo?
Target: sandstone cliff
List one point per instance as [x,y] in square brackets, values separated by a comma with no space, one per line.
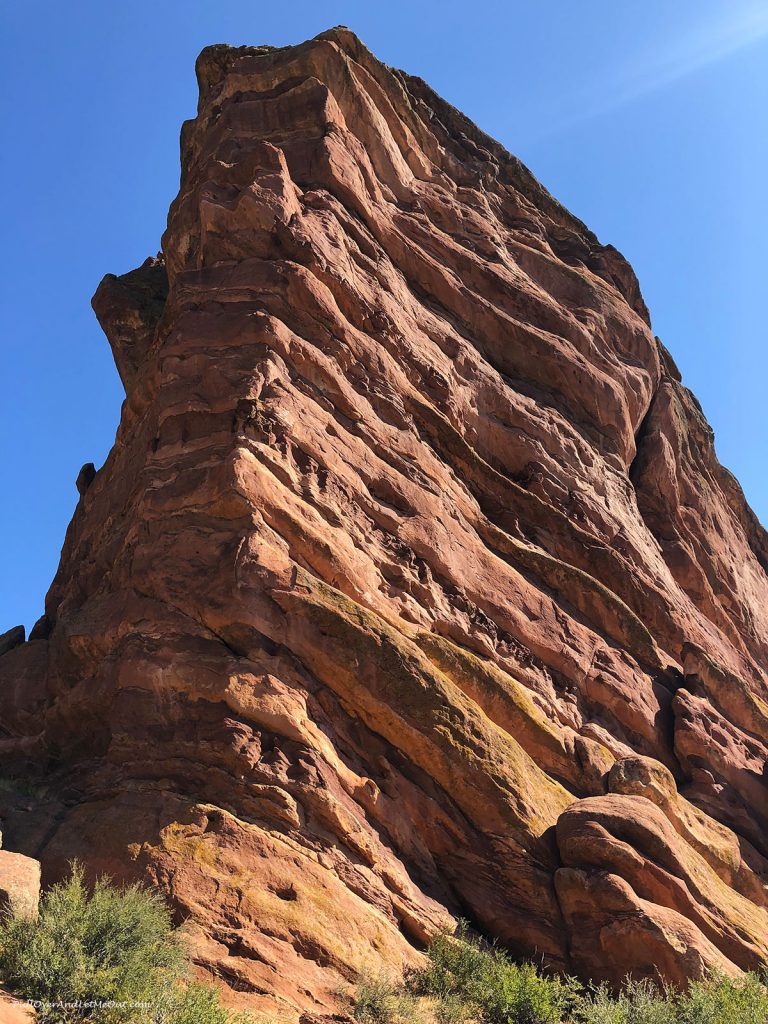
[412,587]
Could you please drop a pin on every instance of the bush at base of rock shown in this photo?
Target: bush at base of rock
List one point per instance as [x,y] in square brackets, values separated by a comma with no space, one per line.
[467,982]
[108,945]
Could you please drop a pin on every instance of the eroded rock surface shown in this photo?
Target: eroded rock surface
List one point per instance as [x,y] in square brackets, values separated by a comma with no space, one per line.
[412,586]
[19,885]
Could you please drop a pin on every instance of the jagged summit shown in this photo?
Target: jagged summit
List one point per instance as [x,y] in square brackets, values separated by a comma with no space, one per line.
[412,587]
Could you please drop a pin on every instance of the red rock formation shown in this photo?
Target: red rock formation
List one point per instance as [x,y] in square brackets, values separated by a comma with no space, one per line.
[412,586]
[13,1010]
[19,885]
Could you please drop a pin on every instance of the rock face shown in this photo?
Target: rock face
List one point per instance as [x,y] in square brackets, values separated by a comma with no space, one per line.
[19,884]
[412,586]
[14,1011]
[12,638]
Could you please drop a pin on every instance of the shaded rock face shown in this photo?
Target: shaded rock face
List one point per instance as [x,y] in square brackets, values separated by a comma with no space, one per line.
[412,586]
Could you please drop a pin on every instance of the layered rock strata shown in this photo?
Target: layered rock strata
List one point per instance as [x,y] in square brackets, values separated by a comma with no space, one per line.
[412,587]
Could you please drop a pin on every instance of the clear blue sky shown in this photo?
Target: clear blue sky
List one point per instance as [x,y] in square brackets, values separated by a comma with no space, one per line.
[647,118]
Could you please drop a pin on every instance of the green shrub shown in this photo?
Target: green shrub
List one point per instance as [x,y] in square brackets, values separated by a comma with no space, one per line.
[111,945]
[196,1003]
[456,967]
[491,987]
[639,1003]
[375,999]
[452,1010]
[722,1000]
[380,1000]
[716,1000]
[467,980]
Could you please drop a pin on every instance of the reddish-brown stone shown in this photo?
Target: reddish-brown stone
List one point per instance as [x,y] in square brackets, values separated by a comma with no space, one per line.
[13,1010]
[412,586]
[19,885]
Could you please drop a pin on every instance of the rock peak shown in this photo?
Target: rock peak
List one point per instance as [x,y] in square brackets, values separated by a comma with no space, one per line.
[412,587]
[219,59]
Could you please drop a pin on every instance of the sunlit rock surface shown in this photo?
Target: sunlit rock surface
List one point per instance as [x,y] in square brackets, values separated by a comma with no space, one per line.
[412,587]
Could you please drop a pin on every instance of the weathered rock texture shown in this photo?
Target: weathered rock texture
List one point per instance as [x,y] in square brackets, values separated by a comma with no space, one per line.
[412,586]
[19,885]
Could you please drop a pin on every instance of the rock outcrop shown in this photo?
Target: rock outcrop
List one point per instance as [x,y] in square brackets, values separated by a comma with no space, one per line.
[13,1010]
[412,587]
[19,885]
